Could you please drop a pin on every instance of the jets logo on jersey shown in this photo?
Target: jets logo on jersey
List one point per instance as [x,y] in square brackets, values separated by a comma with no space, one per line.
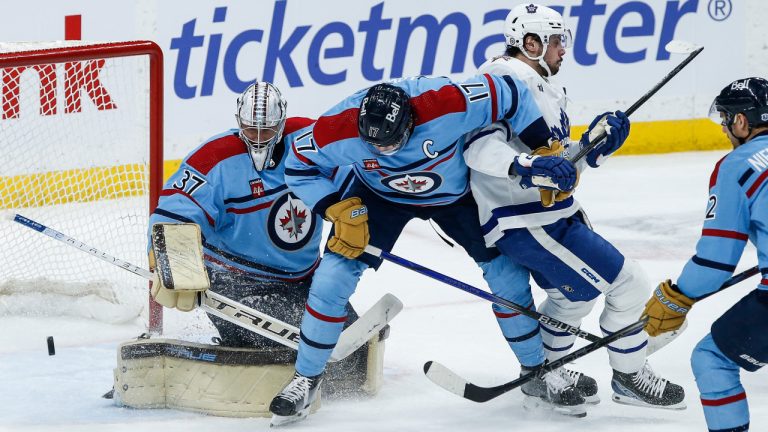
[371,164]
[290,224]
[257,188]
[414,183]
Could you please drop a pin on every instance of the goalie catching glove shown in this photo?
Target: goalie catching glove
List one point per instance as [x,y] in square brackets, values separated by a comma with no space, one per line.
[555,176]
[666,309]
[177,261]
[350,226]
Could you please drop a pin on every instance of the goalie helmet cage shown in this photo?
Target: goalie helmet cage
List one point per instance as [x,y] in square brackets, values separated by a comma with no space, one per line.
[81,148]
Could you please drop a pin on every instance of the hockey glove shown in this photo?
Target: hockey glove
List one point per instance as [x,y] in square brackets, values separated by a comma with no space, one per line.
[350,225]
[176,258]
[555,176]
[616,125]
[666,309]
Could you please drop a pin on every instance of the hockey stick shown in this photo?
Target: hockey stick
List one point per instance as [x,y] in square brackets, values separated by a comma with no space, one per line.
[674,47]
[746,274]
[355,336]
[449,380]
[543,319]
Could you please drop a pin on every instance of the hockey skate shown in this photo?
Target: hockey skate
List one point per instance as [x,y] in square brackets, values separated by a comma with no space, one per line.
[585,384]
[646,389]
[292,404]
[555,391]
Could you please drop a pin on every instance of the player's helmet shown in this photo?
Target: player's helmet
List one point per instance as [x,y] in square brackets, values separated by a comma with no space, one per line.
[531,18]
[748,96]
[385,118]
[261,114]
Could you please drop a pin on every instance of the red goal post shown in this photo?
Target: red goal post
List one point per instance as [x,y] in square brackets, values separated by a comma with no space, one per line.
[81,148]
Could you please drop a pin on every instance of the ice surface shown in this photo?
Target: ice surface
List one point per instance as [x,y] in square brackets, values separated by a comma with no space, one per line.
[651,207]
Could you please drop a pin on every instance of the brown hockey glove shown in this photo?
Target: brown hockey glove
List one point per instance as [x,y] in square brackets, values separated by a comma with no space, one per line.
[666,309]
[350,225]
[550,196]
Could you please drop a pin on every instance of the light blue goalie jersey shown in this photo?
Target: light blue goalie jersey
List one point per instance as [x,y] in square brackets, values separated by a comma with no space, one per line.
[429,169]
[250,221]
[737,212]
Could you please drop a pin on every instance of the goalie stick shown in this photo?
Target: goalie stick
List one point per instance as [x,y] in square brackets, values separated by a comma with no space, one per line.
[673,46]
[355,336]
[449,380]
[543,319]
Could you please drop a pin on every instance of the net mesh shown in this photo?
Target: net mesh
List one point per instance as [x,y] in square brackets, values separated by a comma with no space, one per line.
[74,155]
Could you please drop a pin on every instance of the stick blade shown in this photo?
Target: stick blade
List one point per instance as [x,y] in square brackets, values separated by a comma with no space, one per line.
[678,46]
[367,326]
[445,378]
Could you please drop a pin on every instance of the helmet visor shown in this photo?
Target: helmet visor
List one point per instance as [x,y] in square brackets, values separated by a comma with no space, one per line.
[389,149]
[717,114]
[561,39]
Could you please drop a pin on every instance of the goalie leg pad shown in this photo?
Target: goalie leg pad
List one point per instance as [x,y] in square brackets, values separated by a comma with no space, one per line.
[231,382]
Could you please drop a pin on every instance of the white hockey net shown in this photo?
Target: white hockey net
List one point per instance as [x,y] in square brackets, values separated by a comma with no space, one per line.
[76,142]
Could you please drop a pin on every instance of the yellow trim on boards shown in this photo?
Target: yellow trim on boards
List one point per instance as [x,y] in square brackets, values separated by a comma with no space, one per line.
[101,183]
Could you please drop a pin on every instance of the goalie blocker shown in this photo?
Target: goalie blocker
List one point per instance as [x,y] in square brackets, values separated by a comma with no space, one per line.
[230,382]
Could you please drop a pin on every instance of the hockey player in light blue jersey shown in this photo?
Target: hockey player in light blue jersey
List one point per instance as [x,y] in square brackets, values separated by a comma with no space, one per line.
[261,243]
[736,212]
[405,142]
[554,240]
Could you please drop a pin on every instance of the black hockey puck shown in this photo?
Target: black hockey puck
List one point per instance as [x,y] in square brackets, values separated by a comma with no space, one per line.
[51,347]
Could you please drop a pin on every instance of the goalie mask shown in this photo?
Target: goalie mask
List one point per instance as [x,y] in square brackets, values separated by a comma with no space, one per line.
[261,113]
[544,22]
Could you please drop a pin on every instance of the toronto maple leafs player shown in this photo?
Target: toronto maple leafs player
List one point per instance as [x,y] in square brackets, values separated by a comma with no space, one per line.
[404,140]
[551,236]
[261,243]
[736,212]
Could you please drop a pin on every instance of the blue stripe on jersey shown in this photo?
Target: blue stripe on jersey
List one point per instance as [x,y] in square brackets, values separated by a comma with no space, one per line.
[478,136]
[549,348]
[299,173]
[713,264]
[247,198]
[173,216]
[744,177]
[418,163]
[535,135]
[254,265]
[513,87]
[520,210]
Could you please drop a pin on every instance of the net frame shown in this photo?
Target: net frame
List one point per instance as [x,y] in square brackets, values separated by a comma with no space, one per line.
[25,55]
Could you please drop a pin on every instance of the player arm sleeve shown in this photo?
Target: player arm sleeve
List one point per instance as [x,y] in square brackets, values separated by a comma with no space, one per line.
[310,175]
[488,151]
[723,236]
[189,197]
[521,112]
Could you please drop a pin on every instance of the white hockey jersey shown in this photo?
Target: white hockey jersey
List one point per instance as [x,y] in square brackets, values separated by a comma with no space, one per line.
[503,203]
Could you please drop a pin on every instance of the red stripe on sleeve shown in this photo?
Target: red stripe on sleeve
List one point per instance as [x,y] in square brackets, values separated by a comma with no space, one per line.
[437,103]
[713,177]
[725,400]
[756,184]
[494,106]
[209,155]
[249,209]
[326,318]
[764,281]
[329,129]
[724,233]
[292,124]
[169,192]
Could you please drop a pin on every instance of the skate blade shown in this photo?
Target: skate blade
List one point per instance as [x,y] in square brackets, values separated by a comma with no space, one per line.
[592,400]
[626,400]
[278,420]
[533,403]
